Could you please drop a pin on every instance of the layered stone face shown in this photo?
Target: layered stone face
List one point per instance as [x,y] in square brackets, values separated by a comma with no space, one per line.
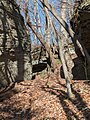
[84,27]
[14,43]
[81,22]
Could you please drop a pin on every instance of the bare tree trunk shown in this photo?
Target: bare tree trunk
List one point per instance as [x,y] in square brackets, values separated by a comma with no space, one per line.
[48,28]
[67,78]
[47,33]
[64,52]
[35,18]
[70,8]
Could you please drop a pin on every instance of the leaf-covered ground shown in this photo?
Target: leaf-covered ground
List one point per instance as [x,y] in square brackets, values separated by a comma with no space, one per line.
[46,99]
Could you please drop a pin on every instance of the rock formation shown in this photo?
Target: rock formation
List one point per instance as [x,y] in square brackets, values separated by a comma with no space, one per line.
[14,44]
[80,23]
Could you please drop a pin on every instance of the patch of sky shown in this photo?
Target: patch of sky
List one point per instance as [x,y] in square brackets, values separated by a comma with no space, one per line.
[40,13]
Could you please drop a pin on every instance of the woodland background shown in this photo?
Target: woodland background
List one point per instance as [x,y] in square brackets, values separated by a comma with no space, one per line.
[44,59]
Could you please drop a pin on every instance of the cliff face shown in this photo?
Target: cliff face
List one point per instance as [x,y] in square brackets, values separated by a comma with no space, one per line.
[84,27]
[14,43]
[81,22]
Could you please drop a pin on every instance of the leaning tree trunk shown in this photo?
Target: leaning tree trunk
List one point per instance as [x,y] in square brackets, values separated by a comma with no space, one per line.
[64,52]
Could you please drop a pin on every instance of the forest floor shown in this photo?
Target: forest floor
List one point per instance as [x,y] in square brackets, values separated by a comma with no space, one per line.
[45,98]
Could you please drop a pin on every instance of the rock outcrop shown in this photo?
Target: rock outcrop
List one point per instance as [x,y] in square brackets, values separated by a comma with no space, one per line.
[14,44]
[80,23]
